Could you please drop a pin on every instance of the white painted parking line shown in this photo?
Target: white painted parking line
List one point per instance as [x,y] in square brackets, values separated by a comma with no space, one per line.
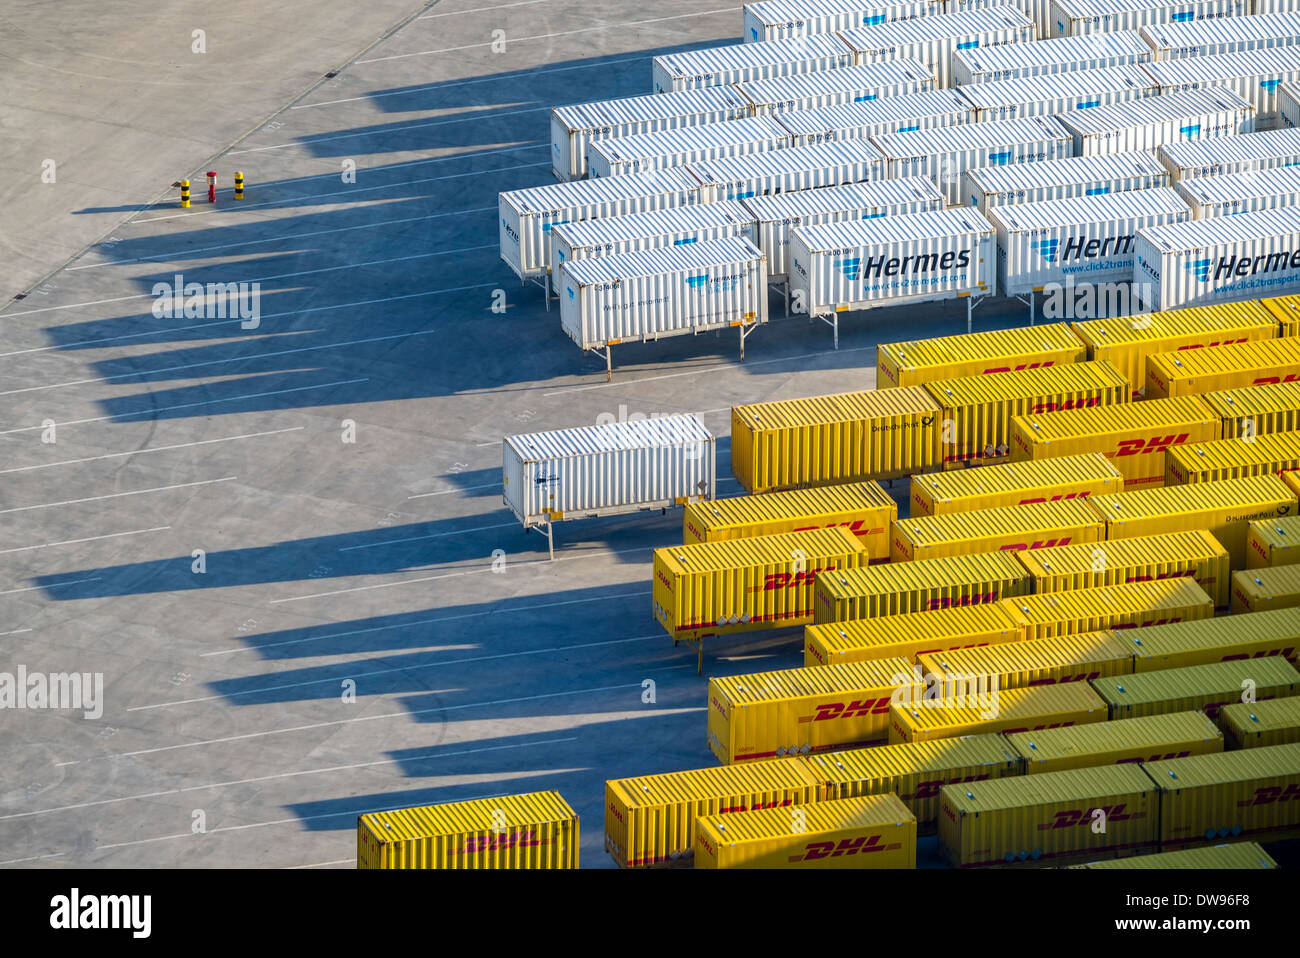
[418,622]
[454,575]
[447,492]
[147,449]
[52,585]
[551,36]
[118,417]
[117,495]
[350,721]
[337,861]
[16,632]
[333,679]
[496,6]
[432,535]
[73,542]
[274,777]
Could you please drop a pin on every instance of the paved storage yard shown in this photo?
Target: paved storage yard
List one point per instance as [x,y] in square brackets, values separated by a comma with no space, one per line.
[228,735]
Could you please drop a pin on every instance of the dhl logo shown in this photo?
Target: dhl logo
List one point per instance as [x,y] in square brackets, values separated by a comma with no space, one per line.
[1226,342]
[888,373]
[1016,369]
[757,805]
[856,527]
[789,580]
[1039,544]
[1149,622]
[1139,760]
[492,843]
[931,788]
[1134,447]
[1086,402]
[664,579]
[1061,680]
[1162,575]
[816,653]
[618,815]
[1287,653]
[1067,496]
[838,710]
[1036,728]
[708,847]
[1259,547]
[1268,380]
[690,527]
[1268,794]
[861,845]
[949,812]
[978,598]
[1070,818]
[722,710]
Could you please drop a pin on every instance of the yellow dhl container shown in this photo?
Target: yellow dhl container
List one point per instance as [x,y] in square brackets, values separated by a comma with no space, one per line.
[1152,738]
[864,508]
[1129,606]
[1292,480]
[1272,542]
[1286,309]
[1224,508]
[1253,725]
[907,636]
[714,588]
[1269,454]
[1133,436]
[1126,341]
[1238,856]
[536,830]
[1259,363]
[1204,687]
[975,412]
[1196,555]
[1225,639]
[824,440]
[977,354]
[1006,528]
[919,586]
[1054,661]
[766,715]
[1236,796]
[650,820]
[875,831]
[1264,590]
[1257,410]
[1013,484]
[915,771]
[1049,819]
[1002,710]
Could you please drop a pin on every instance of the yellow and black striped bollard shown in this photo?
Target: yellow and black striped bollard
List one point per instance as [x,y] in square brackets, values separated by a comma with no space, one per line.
[185,194]
[239,186]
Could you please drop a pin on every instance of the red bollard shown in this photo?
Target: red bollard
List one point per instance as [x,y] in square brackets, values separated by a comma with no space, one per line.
[212,186]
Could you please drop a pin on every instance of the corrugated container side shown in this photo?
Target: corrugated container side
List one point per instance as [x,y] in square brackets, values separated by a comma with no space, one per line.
[1238,856]
[1224,508]
[1216,368]
[1266,590]
[1007,528]
[1258,724]
[986,187]
[1048,56]
[1254,75]
[1154,121]
[919,586]
[920,361]
[852,84]
[907,636]
[1273,542]
[1232,193]
[781,171]
[1129,606]
[1238,796]
[736,63]
[1286,309]
[1271,453]
[1204,687]
[672,149]
[1086,17]
[988,709]
[1020,665]
[782,19]
[1206,641]
[1257,409]
[1013,484]
[1153,738]
[1212,157]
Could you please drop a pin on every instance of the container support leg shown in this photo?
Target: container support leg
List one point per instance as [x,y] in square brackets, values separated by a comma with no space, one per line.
[787,299]
[609,365]
[969,307]
[550,540]
[835,329]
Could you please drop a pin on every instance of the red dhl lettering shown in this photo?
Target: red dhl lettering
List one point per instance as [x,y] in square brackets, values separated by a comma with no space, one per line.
[921,502]
[1149,622]
[707,847]
[690,527]
[1287,653]
[789,580]
[931,788]
[1040,544]
[1081,677]
[1259,547]
[757,805]
[888,373]
[847,846]
[1163,575]
[1133,447]
[900,730]
[856,527]
[616,813]
[722,710]
[664,579]
[949,812]
[858,707]
[1070,818]
[901,546]
[816,653]
[491,843]
[1036,728]
[945,602]
[1269,380]
[1269,794]
[1016,369]
[1086,402]
[1139,760]
[1068,495]
[1226,342]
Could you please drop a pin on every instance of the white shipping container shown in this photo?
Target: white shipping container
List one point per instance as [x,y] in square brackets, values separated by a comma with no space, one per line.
[1080,241]
[911,258]
[609,469]
[527,216]
[1156,121]
[798,168]
[988,186]
[1057,55]
[779,19]
[738,62]
[1275,6]
[573,127]
[1199,38]
[1035,10]
[655,293]
[777,215]
[663,149]
[679,226]
[944,154]
[810,91]
[1056,93]
[1078,17]
[1218,260]
[1242,192]
[857,121]
[1213,157]
[1288,105]
[933,40]
[1252,74]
